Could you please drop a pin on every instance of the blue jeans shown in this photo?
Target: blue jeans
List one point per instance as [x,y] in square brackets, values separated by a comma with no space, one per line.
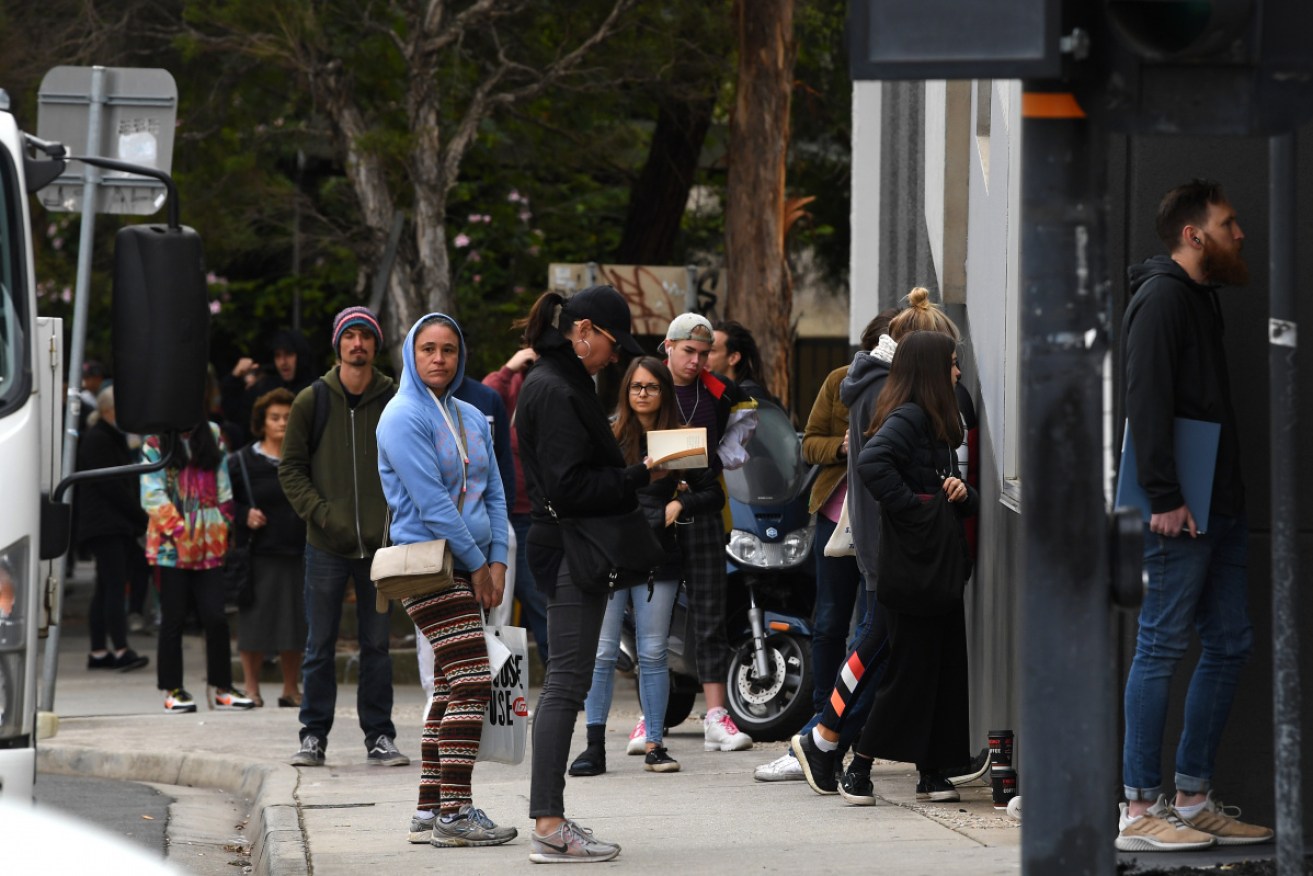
[1192,581]
[533,603]
[839,587]
[652,637]
[325,586]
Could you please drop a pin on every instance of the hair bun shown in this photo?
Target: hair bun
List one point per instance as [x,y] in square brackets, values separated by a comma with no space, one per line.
[919,298]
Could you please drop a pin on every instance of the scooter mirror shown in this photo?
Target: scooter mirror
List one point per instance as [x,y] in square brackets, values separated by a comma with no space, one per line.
[161,329]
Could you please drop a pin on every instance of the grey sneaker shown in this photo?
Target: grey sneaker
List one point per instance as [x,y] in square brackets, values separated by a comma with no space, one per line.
[469,827]
[570,844]
[384,753]
[421,829]
[311,752]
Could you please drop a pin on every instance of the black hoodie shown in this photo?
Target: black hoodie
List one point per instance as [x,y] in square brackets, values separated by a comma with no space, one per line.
[1175,366]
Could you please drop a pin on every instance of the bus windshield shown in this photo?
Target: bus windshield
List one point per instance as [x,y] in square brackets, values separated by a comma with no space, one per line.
[11,285]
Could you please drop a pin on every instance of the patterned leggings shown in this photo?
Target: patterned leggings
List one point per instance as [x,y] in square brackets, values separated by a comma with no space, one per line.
[461,689]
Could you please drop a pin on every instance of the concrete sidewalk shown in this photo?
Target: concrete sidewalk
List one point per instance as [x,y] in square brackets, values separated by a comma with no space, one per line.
[349,818]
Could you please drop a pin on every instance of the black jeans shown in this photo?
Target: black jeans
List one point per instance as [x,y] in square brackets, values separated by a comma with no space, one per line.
[107,619]
[574,623]
[204,588]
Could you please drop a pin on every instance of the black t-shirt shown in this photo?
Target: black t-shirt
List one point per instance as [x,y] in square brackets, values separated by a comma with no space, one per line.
[352,398]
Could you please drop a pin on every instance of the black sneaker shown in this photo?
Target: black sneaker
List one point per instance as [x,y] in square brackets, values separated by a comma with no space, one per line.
[658,760]
[104,661]
[817,766]
[384,753]
[130,660]
[977,769]
[311,752]
[857,789]
[936,789]
[591,763]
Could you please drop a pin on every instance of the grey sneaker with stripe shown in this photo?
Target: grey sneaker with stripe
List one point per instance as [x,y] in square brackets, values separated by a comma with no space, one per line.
[469,827]
[570,844]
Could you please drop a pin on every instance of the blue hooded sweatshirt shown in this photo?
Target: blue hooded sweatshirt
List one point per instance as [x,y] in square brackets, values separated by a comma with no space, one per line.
[419,463]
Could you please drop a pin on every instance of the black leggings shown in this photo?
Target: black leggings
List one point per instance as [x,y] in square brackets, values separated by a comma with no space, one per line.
[574,623]
[204,589]
[113,572]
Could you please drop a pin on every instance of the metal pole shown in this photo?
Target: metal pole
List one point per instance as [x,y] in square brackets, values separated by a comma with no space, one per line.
[1067,739]
[1282,347]
[691,291]
[81,305]
[296,242]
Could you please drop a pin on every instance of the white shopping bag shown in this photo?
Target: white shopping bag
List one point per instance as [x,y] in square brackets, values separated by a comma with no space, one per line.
[506,720]
[841,540]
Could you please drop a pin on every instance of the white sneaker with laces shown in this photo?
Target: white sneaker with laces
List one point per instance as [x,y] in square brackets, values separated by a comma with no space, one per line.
[720,733]
[784,768]
[638,739]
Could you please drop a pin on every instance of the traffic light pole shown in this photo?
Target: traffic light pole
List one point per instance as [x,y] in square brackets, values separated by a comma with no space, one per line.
[1282,397]
[1067,741]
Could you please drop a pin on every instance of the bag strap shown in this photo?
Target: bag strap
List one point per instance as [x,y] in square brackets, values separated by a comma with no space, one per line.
[246,480]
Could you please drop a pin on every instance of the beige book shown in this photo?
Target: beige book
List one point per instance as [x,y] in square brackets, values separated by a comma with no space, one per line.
[678,448]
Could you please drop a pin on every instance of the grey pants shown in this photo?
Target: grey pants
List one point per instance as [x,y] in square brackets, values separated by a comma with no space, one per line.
[574,622]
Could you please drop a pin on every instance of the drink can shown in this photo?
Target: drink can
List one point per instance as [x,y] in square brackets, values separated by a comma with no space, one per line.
[1005,786]
[1000,749]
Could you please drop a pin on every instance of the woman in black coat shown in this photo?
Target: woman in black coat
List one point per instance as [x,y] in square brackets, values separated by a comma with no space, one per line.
[570,458]
[110,521]
[910,466]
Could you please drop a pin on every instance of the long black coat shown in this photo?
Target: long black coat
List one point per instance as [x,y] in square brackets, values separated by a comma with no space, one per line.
[110,506]
[284,534]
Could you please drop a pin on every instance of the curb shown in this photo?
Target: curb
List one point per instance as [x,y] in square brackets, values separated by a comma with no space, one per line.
[279,845]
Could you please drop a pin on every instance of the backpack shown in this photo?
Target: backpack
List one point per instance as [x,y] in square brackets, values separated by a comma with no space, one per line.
[322,401]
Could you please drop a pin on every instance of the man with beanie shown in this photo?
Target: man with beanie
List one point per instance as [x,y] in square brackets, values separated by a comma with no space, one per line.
[329,472]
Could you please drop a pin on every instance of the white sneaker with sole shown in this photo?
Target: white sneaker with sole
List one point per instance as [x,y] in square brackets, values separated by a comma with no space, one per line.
[638,739]
[784,768]
[1159,829]
[720,733]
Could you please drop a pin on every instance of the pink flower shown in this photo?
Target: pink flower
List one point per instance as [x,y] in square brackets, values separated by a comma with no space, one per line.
[461,241]
[475,218]
[478,278]
[525,215]
[514,196]
[474,256]
[216,306]
[487,220]
[66,296]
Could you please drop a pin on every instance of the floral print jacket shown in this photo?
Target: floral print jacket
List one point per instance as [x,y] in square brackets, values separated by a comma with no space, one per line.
[190,511]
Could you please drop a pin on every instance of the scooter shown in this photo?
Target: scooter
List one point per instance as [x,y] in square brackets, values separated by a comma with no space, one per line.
[770,594]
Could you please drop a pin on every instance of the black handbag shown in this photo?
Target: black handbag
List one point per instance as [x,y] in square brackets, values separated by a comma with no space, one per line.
[923,565]
[611,552]
[238,576]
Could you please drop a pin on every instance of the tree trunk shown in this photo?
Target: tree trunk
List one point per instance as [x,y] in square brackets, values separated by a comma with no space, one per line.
[760,290]
[660,194]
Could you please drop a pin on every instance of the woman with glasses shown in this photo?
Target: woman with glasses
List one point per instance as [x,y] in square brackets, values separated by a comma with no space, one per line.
[647,402]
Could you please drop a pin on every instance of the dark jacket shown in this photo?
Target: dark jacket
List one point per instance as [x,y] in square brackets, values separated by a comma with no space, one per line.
[489,403]
[506,383]
[568,451]
[1176,367]
[703,496]
[284,534]
[337,493]
[903,459]
[860,390]
[239,399]
[111,506]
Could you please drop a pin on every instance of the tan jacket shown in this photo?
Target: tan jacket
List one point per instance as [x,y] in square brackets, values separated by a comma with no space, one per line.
[823,439]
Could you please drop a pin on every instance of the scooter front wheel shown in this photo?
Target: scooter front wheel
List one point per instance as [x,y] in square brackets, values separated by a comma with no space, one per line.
[776,706]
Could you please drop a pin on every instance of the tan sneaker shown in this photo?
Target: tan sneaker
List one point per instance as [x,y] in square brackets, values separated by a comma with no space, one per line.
[1224,823]
[1159,830]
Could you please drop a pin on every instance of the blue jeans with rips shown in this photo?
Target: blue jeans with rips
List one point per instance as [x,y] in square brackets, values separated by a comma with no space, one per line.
[1193,582]
[325,586]
[652,639]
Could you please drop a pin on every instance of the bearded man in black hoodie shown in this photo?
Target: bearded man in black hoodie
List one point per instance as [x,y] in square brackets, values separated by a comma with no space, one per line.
[1196,569]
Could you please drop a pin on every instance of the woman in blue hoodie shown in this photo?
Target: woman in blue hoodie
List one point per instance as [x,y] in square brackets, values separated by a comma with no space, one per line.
[440,477]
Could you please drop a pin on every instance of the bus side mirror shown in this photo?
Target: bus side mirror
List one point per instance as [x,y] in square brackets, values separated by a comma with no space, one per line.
[161,329]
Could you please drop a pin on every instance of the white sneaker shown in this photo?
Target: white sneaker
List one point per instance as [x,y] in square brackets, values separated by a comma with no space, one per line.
[638,739]
[784,768]
[722,734]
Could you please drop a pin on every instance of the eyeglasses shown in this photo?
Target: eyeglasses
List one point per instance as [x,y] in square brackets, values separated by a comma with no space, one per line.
[606,334]
[644,389]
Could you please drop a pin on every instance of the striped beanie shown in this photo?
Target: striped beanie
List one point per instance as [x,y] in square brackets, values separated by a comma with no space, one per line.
[356,316]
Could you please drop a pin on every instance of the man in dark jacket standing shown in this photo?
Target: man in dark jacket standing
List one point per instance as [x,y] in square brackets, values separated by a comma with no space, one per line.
[329,472]
[110,520]
[1196,569]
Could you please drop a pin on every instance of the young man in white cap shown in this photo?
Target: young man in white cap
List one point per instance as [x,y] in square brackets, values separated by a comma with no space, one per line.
[729,415]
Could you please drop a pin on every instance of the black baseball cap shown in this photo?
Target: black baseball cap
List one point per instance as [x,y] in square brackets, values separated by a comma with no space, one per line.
[609,311]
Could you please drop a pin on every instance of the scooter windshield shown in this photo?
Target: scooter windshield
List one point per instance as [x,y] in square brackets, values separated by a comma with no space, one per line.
[774,473]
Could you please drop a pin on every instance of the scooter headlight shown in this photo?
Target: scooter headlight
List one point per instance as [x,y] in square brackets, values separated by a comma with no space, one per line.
[747,549]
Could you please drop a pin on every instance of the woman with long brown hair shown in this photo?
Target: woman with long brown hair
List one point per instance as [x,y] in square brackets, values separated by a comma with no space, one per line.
[647,402]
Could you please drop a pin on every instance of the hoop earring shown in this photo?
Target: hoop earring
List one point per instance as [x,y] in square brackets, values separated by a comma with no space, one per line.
[584,341]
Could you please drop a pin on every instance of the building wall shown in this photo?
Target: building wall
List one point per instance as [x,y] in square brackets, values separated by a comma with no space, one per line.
[1140,170]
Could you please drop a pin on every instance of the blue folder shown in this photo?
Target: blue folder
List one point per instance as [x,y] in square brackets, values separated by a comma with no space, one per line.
[1195,442]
